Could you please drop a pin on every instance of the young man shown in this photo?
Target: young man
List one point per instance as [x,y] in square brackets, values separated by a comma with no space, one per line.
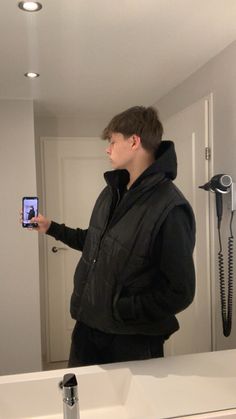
[136,271]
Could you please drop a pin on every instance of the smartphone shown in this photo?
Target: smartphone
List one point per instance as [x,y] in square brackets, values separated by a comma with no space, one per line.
[29,210]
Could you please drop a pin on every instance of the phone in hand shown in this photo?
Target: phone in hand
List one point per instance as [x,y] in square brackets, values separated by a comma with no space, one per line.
[29,210]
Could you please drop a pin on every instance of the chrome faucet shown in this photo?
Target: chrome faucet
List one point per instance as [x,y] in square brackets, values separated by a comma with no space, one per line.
[70,397]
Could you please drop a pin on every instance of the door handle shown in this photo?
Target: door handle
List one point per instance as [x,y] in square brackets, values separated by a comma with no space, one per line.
[55,249]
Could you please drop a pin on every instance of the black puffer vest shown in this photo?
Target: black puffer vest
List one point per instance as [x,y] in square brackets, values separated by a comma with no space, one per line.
[116,258]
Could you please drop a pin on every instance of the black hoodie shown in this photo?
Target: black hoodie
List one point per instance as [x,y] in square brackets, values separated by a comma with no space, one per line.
[136,270]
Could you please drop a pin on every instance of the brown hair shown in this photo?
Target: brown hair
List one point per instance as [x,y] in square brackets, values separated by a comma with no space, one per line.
[140,121]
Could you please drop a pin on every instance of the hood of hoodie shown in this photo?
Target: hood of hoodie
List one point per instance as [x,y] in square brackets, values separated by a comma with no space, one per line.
[165,164]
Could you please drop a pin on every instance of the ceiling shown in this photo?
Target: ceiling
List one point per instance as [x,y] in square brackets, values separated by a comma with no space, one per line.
[102,56]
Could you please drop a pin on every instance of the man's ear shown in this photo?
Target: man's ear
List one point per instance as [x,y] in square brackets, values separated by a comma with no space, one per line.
[136,141]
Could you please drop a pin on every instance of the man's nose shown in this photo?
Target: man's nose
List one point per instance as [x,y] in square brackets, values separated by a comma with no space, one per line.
[108,149]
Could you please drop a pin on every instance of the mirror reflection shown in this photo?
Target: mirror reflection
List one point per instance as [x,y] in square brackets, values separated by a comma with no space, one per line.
[93,62]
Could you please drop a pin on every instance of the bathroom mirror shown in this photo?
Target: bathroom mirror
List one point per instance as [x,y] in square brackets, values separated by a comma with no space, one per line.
[95,59]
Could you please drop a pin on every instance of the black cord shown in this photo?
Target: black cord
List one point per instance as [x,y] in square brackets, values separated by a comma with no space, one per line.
[230,277]
[226,312]
[230,224]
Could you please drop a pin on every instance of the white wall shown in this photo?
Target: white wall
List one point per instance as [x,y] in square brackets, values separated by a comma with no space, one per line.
[217,76]
[20,344]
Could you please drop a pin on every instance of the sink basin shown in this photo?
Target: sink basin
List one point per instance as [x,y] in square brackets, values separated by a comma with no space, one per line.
[102,394]
[201,385]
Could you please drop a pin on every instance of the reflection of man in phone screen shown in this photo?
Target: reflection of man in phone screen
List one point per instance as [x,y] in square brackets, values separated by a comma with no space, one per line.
[30,210]
[31,213]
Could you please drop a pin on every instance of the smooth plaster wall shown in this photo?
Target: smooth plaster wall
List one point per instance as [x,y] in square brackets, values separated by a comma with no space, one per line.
[20,341]
[219,77]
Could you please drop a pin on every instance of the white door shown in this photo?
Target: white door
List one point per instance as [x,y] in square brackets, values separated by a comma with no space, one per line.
[73,178]
[190,130]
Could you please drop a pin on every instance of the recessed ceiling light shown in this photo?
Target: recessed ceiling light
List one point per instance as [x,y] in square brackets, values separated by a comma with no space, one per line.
[30,6]
[31,75]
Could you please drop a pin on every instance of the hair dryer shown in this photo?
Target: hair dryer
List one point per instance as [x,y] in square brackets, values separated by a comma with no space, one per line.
[219,184]
[222,184]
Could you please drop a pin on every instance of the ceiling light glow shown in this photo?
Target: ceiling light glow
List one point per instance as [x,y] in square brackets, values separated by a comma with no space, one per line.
[30,6]
[32,75]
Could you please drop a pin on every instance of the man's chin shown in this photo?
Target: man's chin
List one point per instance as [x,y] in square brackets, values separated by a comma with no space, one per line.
[114,166]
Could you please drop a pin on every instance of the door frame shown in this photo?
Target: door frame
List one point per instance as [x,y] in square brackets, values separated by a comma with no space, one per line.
[209,112]
[210,214]
[44,280]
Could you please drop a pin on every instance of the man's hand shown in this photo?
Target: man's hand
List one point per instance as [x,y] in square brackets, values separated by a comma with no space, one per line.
[43,223]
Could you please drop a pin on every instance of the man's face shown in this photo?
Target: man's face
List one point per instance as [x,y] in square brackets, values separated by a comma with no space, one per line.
[119,151]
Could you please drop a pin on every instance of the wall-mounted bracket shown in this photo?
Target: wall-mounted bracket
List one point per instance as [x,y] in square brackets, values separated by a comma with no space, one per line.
[233,196]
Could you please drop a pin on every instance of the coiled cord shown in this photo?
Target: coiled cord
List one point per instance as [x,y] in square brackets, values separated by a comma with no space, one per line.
[226,309]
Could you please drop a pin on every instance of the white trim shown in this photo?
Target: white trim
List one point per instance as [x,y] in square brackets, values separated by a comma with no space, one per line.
[210,171]
[45,260]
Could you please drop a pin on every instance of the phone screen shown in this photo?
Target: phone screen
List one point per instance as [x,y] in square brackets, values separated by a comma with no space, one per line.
[29,210]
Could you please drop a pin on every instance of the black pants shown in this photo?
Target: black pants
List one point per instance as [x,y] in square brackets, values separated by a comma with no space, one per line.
[92,347]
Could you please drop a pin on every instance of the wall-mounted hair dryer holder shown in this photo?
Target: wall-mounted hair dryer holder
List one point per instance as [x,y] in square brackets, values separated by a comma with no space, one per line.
[222,184]
[219,184]
[233,196]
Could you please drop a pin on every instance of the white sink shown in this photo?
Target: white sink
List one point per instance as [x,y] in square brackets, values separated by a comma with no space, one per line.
[102,394]
[201,385]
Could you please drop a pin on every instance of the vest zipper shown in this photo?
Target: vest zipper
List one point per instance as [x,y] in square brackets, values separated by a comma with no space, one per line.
[106,226]
[98,249]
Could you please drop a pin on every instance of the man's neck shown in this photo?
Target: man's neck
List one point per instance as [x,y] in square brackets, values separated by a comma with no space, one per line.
[138,168]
